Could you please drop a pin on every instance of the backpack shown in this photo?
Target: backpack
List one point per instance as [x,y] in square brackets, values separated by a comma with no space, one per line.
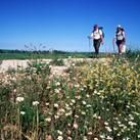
[101,29]
[103,34]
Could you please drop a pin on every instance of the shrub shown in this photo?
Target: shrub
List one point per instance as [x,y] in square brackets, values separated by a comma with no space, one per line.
[57,62]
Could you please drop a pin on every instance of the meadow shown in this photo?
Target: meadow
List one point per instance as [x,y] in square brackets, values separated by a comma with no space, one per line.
[95,100]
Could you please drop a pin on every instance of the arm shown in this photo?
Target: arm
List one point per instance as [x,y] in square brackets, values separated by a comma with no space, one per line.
[113,41]
[102,39]
[101,36]
[90,36]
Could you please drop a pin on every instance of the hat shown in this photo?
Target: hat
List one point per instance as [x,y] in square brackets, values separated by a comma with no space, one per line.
[119,26]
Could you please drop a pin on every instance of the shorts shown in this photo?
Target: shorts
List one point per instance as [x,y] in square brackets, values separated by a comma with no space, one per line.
[120,42]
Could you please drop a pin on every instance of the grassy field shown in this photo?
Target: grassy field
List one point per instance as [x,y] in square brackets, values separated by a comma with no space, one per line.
[22,55]
[14,54]
[93,101]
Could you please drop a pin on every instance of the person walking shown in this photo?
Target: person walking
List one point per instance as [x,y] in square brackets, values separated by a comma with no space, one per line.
[120,39]
[97,37]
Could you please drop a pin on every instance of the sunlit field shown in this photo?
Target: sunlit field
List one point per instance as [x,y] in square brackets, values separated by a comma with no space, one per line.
[90,100]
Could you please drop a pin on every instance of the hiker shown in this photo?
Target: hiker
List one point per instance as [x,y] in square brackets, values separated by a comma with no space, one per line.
[120,39]
[97,37]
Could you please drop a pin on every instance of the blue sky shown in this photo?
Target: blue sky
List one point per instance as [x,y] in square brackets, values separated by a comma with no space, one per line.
[65,24]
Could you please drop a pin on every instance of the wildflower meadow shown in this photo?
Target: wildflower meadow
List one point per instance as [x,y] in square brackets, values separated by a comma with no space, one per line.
[95,100]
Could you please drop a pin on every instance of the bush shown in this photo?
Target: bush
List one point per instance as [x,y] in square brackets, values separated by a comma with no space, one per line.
[57,62]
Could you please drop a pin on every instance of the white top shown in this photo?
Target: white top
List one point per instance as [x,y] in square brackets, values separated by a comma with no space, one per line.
[120,35]
[96,34]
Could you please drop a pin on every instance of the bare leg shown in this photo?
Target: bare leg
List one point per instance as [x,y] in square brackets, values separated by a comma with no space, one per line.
[120,48]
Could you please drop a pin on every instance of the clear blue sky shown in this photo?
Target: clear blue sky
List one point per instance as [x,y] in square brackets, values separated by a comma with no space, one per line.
[65,24]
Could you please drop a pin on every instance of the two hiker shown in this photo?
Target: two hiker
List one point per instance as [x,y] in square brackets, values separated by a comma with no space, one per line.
[98,38]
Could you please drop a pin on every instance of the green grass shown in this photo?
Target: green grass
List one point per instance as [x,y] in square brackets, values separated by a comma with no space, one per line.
[7,56]
[17,54]
[96,100]
[11,54]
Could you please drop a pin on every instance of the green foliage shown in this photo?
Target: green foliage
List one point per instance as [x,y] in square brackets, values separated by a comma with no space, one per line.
[57,62]
[38,54]
[98,100]
[133,55]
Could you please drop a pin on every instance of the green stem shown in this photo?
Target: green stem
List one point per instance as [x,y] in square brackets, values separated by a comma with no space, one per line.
[19,127]
[37,119]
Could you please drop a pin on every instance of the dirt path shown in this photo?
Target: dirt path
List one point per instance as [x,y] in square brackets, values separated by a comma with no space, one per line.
[15,64]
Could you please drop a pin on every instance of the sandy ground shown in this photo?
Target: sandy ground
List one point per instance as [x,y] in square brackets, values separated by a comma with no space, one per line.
[12,64]
[15,64]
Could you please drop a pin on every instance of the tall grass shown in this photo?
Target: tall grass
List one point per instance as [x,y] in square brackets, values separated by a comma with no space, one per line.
[97,101]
